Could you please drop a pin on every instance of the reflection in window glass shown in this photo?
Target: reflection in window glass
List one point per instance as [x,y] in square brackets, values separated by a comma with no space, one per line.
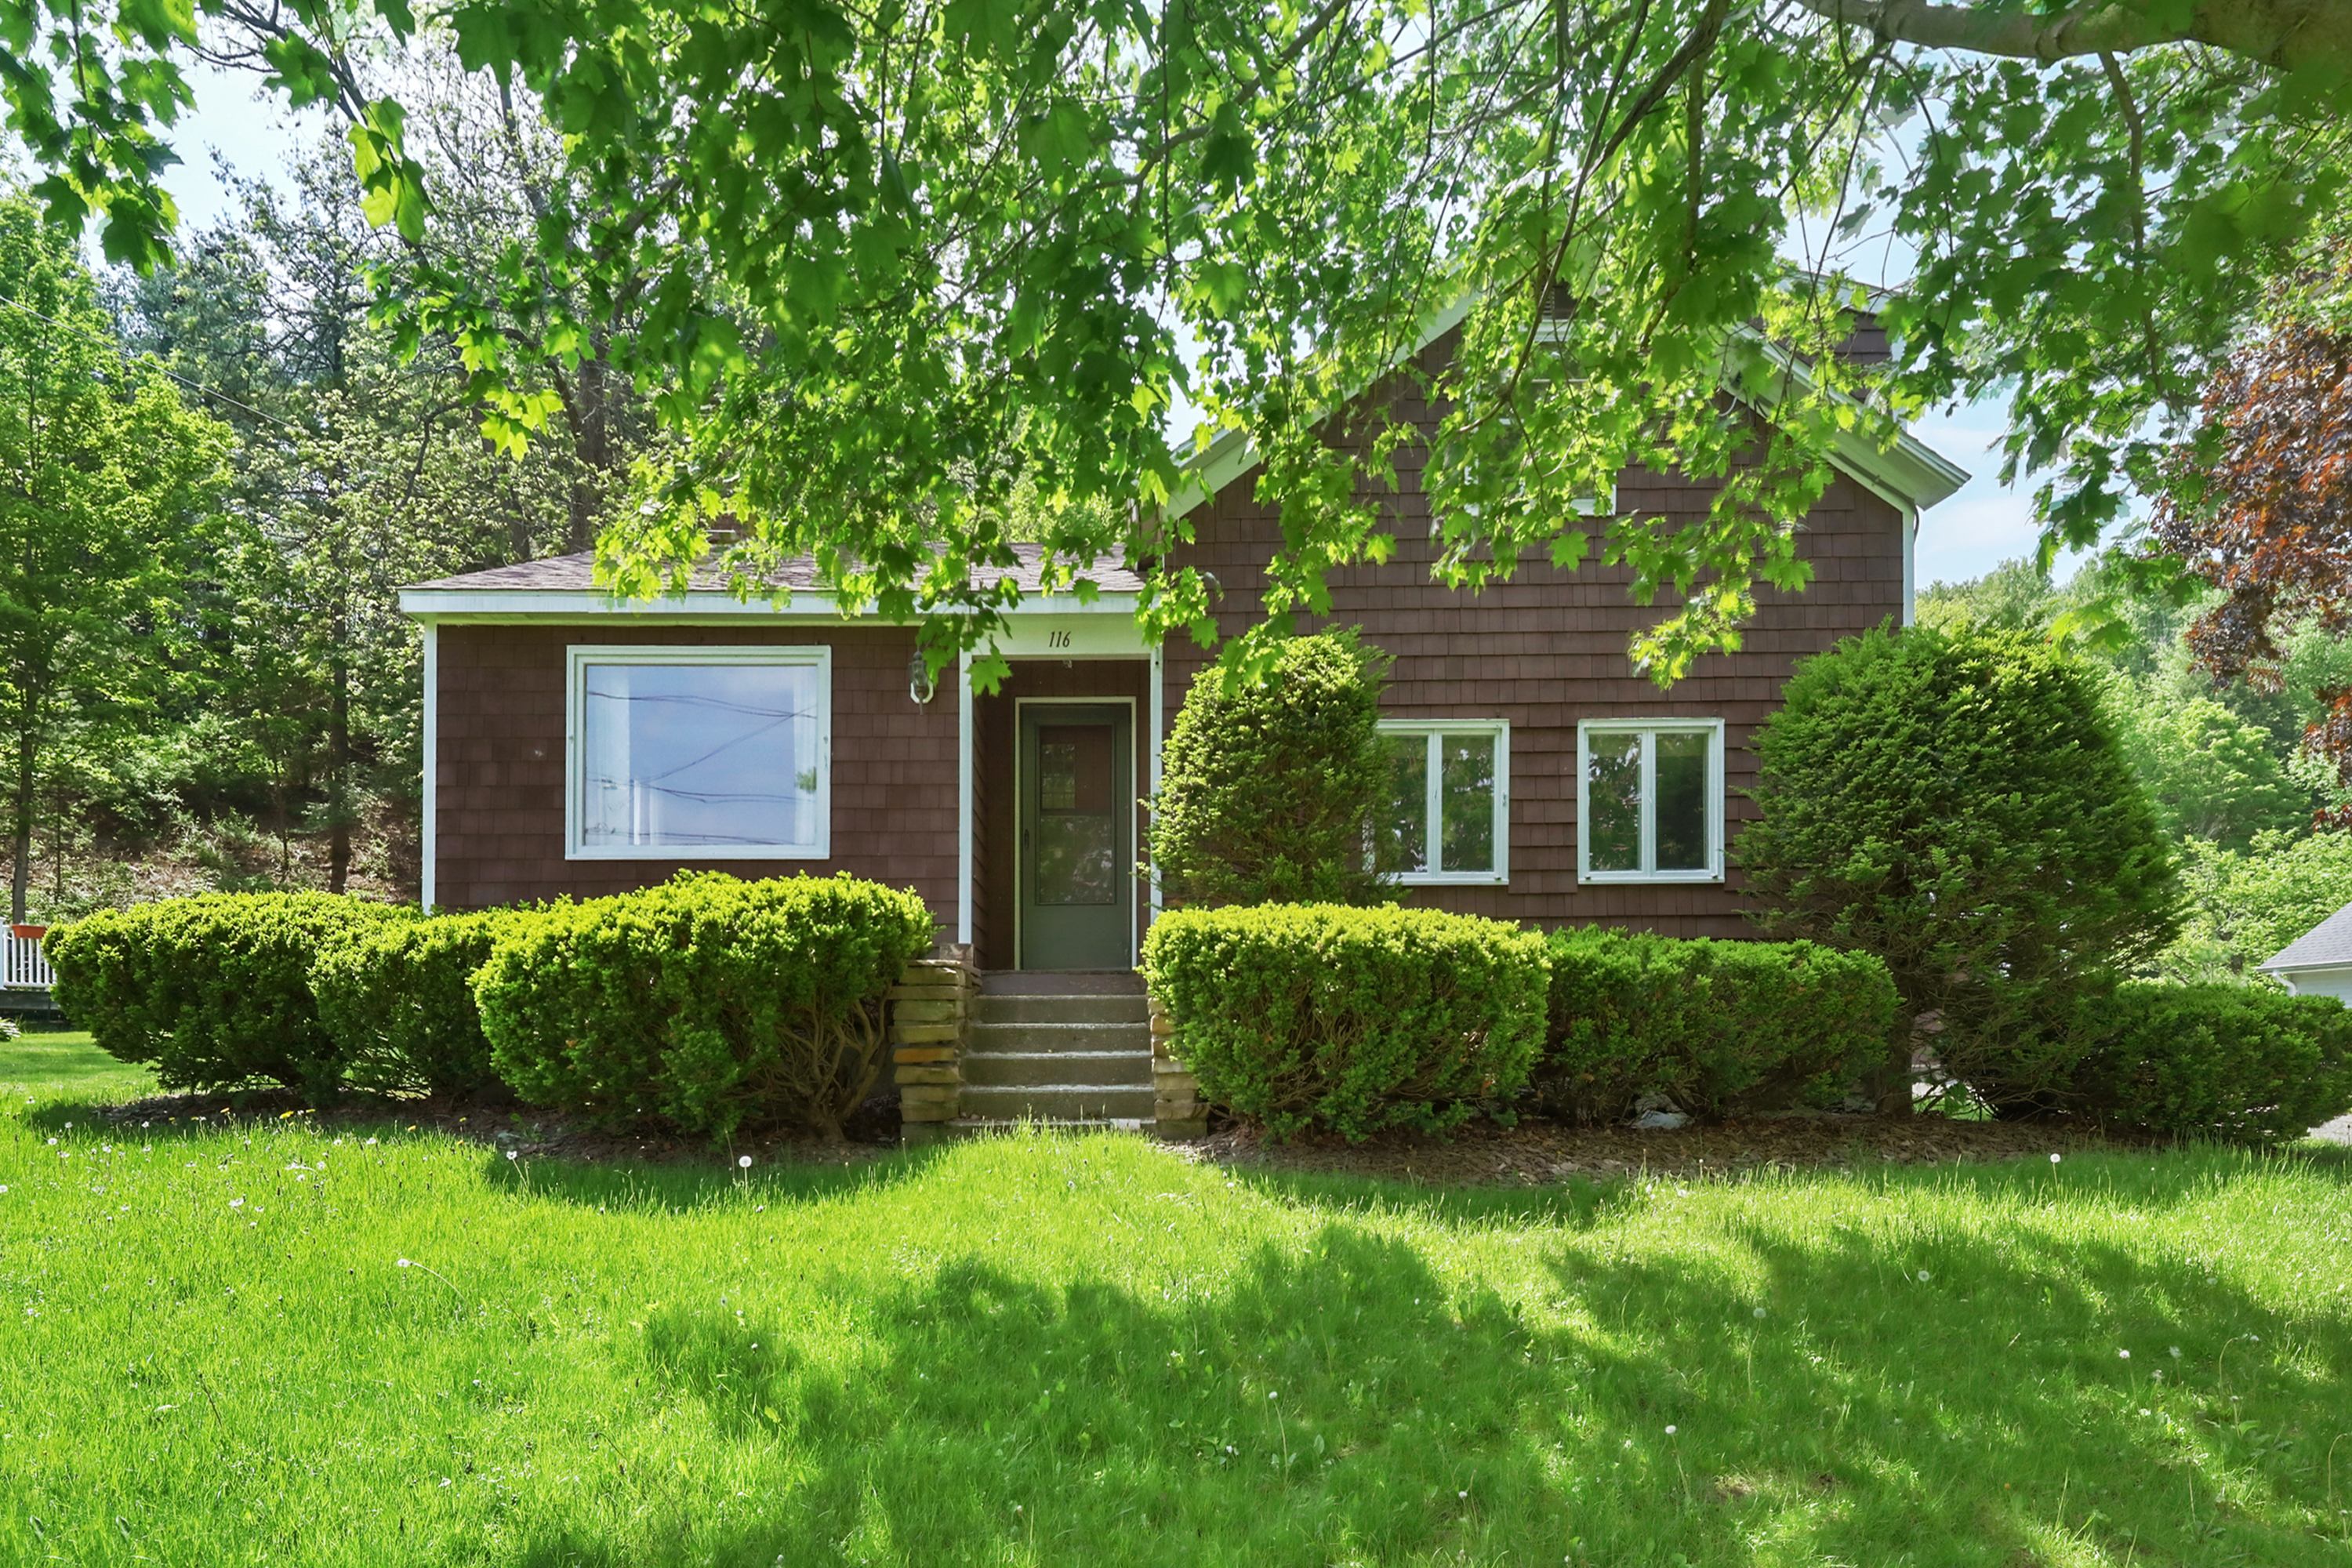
[1466,800]
[1614,801]
[1408,821]
[699,755]
[1681,764]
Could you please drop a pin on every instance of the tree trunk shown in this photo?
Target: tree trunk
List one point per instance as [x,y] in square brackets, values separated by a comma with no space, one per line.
[1894,1073]
[27,750]
[338,767]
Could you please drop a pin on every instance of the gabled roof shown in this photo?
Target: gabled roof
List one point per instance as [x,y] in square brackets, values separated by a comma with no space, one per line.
[1911,473]
[2327,945]
[577,574]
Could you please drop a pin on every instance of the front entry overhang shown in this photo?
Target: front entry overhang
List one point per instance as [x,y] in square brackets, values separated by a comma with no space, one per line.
[1100,630]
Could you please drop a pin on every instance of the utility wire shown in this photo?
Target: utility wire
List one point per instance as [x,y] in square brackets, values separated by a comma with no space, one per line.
[196,387]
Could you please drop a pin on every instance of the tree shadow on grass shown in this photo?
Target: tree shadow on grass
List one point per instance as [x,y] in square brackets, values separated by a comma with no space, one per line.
[1341,1400]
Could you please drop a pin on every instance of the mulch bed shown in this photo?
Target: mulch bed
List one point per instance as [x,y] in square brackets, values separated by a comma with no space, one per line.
[1532,1153]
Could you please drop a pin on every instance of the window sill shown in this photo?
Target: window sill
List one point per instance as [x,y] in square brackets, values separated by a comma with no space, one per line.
[1616,878]
[1453,879]
[703,852]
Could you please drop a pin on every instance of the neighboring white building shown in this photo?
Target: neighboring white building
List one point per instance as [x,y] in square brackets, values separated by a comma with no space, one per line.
[2319,962]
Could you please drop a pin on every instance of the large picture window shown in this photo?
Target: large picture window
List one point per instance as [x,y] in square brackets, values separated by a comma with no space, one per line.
[699,753]
[1649,800]
[1450,797]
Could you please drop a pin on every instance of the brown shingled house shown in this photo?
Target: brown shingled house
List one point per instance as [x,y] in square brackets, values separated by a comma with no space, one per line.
[577,746]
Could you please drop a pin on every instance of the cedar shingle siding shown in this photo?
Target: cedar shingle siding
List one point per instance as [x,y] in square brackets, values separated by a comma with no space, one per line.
[501,765]
[1542,651]
[1548,649]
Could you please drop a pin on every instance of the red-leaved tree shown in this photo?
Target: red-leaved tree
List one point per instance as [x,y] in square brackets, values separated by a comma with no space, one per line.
[2259,504]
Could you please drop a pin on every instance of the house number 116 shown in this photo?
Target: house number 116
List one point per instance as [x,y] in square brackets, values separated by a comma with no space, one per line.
[1058,639]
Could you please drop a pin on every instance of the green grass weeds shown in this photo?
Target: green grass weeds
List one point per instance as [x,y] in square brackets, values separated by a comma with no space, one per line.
[1042,1349]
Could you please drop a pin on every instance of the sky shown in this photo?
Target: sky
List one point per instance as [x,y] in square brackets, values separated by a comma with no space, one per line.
[1967,536]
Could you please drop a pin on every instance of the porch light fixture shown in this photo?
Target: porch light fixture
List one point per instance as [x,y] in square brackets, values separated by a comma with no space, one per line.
[920,686]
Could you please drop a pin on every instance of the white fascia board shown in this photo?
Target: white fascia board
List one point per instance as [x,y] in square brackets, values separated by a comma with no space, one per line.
[1910,474]
[1913,476]
[1233,453]
[493,605]
[2274,967]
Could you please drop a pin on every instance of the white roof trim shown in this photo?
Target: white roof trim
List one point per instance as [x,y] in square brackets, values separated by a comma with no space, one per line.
[1912,474]
[494,605]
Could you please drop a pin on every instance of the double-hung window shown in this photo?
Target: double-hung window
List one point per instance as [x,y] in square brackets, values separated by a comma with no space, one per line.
[1649,800]
[699,753]
[1450,798]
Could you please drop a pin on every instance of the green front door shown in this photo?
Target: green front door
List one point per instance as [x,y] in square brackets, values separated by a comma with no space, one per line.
[1077,821]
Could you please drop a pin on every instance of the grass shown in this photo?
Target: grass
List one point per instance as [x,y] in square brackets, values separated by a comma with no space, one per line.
[1051,1350]
[65,1064]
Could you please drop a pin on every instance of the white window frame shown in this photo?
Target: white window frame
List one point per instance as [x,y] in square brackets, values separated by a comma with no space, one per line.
[1648,728]
[1431,822]
[581,655]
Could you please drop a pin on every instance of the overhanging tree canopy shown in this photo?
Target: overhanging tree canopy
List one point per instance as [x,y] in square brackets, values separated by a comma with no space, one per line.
[892,259]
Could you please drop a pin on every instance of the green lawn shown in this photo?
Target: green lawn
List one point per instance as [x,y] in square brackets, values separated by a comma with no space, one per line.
[35,1067]
[1088,1351]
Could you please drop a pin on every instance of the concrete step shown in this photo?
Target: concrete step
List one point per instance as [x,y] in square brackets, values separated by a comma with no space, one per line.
[1109,1069]
[1057,1102]
[1035,1038]
[1031,1009]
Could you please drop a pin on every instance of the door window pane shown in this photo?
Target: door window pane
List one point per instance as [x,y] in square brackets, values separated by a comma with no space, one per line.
[685,756]
[1077,859]
[1614,801]
[1466,798]
[1681,799]
[1408,821]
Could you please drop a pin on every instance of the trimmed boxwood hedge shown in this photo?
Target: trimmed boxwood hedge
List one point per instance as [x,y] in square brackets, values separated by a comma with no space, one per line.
[213,991]
[399,1003]
[2242,1063]
[1302,1016]
[1710,1024]
[713,1002]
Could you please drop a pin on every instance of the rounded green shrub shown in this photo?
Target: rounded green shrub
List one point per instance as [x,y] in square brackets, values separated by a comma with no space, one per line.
[1272,792]
[1350,1019]
[1714,1025]
[399,1003]
[716,1003]
[1955,802]
[2241,1063]
[215,989]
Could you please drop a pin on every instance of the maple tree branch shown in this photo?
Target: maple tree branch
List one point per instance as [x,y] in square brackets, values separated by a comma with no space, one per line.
[2281,33]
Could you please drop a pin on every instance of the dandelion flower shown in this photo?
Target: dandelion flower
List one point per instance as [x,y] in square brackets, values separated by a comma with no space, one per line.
[2053,1159]
[1924,1277]
[2122,1355]
[2176,1353]
[1760,1311]
[400,1263]
[510,1154]
[237,1203]
[3,1189]
[1463,1497]
[1670,1431]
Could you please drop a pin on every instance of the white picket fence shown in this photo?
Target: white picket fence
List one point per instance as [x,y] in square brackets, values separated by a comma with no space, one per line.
[26,966]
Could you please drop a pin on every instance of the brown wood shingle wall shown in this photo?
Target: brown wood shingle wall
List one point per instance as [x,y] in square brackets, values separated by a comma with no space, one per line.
[1548,649]
[500,764]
